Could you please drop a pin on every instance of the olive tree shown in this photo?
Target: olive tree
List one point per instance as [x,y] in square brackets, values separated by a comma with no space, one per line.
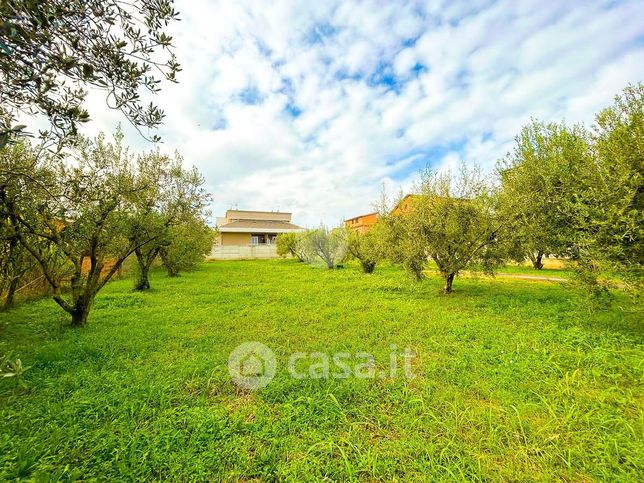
[286,244]
[540,179]
[401,246]
[51,51]
[294,244]
[367,247]
[453,221]
[174,196]
[330,245]
[19,205]
[609,207]
[15,263]
[12,263]
[188,243]
[569,191]
[75,216]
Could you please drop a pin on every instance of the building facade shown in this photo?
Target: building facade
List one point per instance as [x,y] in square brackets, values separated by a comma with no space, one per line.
[250,234]
[361,223]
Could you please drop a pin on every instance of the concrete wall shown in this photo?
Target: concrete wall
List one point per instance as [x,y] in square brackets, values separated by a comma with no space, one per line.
[239,252]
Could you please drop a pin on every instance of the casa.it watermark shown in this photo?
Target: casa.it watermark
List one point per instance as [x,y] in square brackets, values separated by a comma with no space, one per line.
[252,365]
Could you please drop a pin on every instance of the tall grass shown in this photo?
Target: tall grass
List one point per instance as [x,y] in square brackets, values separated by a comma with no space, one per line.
[514,381]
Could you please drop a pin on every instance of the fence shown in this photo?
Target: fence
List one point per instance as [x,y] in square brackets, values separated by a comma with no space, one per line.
[233,252]
[33,284]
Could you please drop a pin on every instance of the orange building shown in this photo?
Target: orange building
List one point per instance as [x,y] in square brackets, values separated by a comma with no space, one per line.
[405,204]
[362,223]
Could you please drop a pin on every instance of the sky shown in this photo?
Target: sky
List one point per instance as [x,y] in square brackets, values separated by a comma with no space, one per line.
[311,106]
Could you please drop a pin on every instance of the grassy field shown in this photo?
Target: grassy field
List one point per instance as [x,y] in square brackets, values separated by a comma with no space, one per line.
[515,380]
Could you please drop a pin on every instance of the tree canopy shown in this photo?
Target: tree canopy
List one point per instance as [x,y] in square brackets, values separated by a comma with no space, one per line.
[452,221]
[175,197]
[610,215]
[368,247]
[539,180]
[52,51]
[577,192]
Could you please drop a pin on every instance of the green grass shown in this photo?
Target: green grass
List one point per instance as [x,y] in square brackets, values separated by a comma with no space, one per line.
[515,381]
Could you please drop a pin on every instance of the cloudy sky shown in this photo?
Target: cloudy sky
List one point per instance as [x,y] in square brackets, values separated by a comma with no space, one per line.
[310,106]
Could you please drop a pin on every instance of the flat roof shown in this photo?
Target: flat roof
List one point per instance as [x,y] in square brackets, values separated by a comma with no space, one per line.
[259,211]
[361,216]
[268,226]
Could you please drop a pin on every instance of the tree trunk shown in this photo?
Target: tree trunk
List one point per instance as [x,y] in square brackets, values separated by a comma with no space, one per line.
[13,269]
[172,271]
[170,268]
[537,263]
[11,292]
[368,266]
[449,279]
[81,312]
[143,281]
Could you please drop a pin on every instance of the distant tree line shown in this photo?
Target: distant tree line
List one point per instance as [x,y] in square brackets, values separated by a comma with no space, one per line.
[566,191]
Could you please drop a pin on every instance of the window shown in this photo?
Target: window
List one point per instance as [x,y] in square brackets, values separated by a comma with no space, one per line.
[257,239]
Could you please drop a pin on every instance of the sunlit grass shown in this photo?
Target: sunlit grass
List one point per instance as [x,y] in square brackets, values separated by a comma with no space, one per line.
[515,381]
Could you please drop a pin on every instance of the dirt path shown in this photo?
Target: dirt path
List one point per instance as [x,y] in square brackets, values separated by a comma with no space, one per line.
[537,278]
[518,276]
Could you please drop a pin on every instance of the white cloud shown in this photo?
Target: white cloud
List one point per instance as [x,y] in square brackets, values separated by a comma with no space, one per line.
[311,106]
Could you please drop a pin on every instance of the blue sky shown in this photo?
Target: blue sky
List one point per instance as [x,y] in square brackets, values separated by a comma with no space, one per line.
[311,106]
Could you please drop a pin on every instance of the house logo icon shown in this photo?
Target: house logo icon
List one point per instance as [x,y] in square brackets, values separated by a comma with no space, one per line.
[252,365]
